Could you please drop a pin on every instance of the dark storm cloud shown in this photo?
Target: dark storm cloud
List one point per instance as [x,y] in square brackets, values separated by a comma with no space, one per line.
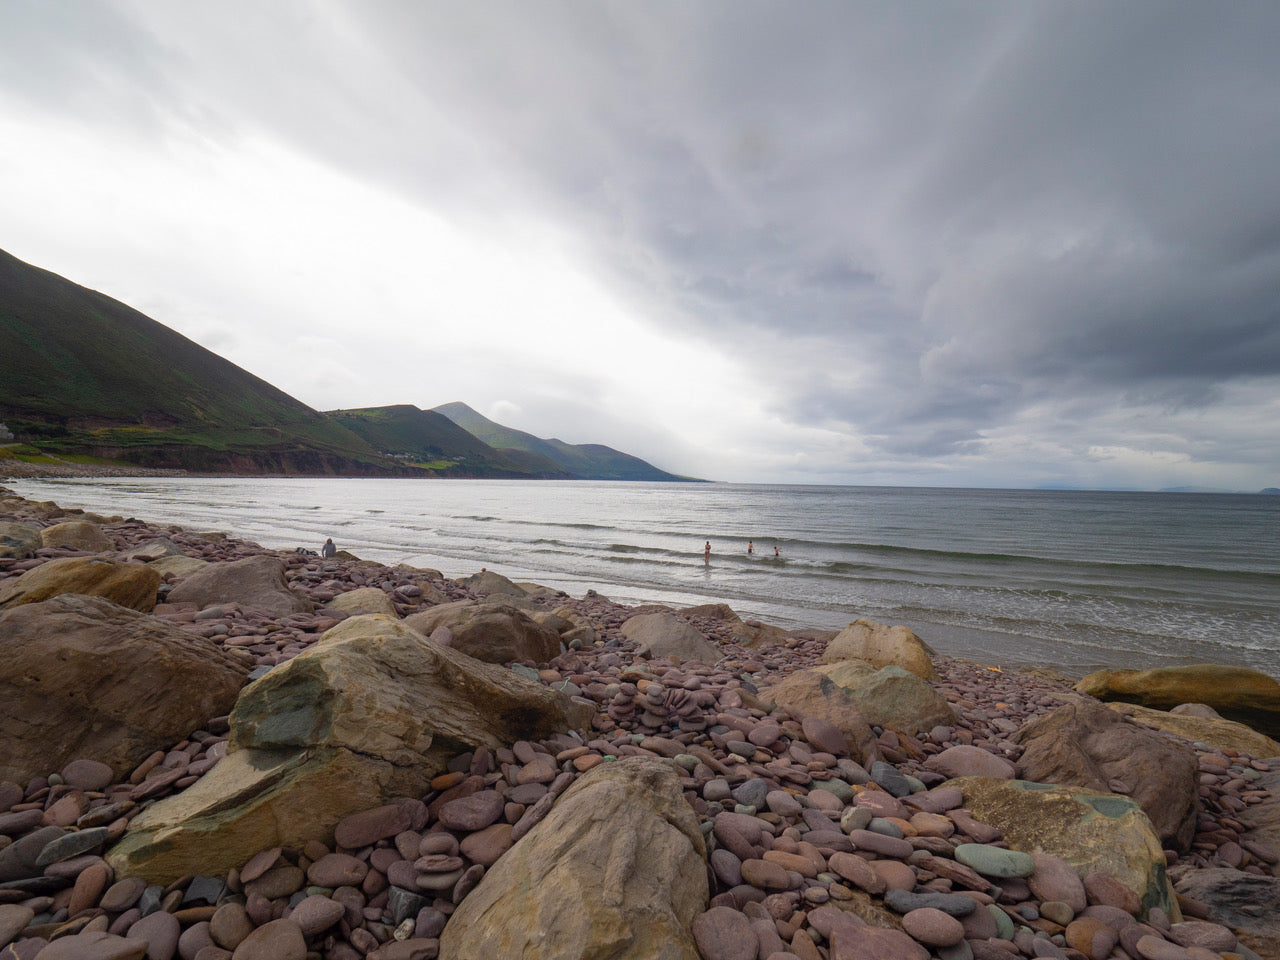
[988,205]
[920,222]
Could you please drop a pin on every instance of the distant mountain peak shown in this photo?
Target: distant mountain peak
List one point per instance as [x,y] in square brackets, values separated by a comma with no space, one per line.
[586,461]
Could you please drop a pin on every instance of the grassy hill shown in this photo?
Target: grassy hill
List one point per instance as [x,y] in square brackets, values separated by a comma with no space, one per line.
[586,461]
[88,379]
[431,441]
[84,375]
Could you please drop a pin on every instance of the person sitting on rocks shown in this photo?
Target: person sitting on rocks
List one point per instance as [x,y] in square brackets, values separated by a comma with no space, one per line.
[328,550]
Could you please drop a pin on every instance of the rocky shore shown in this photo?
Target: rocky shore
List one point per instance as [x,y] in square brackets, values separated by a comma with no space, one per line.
[476,768]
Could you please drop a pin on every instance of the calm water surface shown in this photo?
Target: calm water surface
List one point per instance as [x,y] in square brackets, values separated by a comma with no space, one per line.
[1068,579]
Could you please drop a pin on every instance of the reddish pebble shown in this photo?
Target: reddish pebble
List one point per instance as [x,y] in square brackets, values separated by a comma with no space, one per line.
[723,933]
[932,927]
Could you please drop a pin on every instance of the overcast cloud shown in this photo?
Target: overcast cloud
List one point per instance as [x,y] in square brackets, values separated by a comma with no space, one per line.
[997,244]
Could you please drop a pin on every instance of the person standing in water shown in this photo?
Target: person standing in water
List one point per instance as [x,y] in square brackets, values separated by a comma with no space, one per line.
[706,553]
[751,547]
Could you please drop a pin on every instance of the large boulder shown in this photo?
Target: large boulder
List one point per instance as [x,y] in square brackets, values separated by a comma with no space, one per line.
[76,535]
[486,582]
[84,677]
[1093,832]
[495,631]
[372,712]
[891,696]
[179,567]
[662,635]
[616,870]
[131,585]
[754,634]
[1198,728]
[256,583]
[152,549]
[811,693]
[883,646]
[1237,693]
[363,600]
[18,540]
[1083,744]
[712,611]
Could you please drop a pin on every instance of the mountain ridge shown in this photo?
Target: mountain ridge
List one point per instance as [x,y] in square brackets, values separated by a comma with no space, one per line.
[87,379]
[589,461]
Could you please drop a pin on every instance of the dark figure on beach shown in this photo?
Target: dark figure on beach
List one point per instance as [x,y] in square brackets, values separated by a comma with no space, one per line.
[706,552]
[328,550]
[751,547]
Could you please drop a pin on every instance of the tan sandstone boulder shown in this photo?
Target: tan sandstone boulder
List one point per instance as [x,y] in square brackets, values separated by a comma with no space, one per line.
[487,582]
[256,583]
[364,600]
[1093,832]
[1197,727]
[662,635]
[84,677]
[76,535]
[811,693]
[1083,744]
[1237,693]
[712,611]
[131,585]
[18,540]
[370,713]
[495,630]
[152,549]
[616,870]
[883,646]
[891,696]
[178,566]
[754,634]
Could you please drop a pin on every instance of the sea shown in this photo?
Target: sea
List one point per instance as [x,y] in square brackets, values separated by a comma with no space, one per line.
[1069,580]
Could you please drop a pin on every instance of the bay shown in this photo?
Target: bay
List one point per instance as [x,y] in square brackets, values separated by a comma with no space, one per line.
[1072,580]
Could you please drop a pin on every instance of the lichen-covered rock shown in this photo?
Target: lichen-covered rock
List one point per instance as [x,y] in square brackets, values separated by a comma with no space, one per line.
[372,712]
[1094,832]
[616,870]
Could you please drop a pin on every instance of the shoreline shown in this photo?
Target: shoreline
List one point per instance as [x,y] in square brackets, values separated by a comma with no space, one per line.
[643,708]
[1073,652]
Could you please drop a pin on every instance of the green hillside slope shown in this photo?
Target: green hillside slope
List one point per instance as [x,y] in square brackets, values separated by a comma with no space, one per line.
[433,442]
[588,461]
[81,373]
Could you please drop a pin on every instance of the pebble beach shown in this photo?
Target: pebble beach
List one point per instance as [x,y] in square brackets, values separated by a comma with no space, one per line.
[812,850]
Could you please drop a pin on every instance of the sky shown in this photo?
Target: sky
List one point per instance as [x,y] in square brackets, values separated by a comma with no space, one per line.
[1000,244]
